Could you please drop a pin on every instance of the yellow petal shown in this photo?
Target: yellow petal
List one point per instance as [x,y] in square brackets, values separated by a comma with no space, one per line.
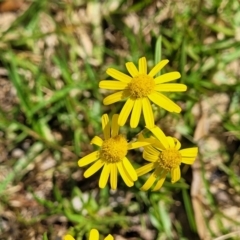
[158,133]
[164,102]
[127,108]
[94,235]
[167,77]
[124,174]
[150,157]
[137,144]
[189,152]
[171,87]
[118,75]
[104,175]
[150,140]
[147,113]
[158,68]
[148,184]
[136,113]
[97,141]
[88,159]
[113,176]
[106,126]
[109,237]
[158,145]
[160,181]
[115,126]
[188,160]
[177,144]
[145,169]
[171,142]
[116,97]
[93,169]
[151,150]
[68,237]
[129,168]
[132,69]
[175,174]
[142,65]
[112,85]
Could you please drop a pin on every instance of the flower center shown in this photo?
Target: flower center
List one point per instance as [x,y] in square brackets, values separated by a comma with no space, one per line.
[141,86]
[169,159]
[114,149]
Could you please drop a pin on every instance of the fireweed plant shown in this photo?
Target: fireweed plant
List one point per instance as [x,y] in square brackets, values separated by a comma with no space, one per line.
[164,153]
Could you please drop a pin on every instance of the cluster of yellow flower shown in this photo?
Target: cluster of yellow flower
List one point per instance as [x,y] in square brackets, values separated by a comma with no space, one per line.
[94,235]
[162,152]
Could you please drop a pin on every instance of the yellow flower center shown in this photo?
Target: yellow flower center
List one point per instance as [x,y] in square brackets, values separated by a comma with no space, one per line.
[114,149]
[169,159]
[141,86]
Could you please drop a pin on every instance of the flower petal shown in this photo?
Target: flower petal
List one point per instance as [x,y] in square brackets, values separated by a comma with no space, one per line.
[189,152]
[97,141]
[158,67]
[115,126]
[106,126]
[113,176]
[150,140]
[171,87]
[151,150]
[93,169]
[145,169]
[188,160]
[138,144]
[124,174]
[132,69]
[164,102]
[68,237]
[167,77]
[136,113]
[94,235]
[177,144]
[148,184]
[104,175]
[112,85]
[119,75]
[109,237]
[116,97]
[171,142]
[127,108]
[147,113]
[160,181]
[142,65]
[149,157]
[175,174]
[129,168]
[158,133]
[88,159]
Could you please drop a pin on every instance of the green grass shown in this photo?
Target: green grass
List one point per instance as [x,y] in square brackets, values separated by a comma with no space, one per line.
[53,56]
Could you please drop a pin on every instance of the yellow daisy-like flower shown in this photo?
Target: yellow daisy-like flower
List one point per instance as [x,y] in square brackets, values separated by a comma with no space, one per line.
[111,155]
[139,89]
[94,235]
[164,157]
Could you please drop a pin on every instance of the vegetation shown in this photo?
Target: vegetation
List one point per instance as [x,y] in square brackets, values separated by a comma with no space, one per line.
[53,55]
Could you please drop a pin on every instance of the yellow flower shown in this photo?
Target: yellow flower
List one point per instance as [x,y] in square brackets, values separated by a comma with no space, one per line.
[164,157]
[111,155]
[94,235]
[68,237]
[139,88]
